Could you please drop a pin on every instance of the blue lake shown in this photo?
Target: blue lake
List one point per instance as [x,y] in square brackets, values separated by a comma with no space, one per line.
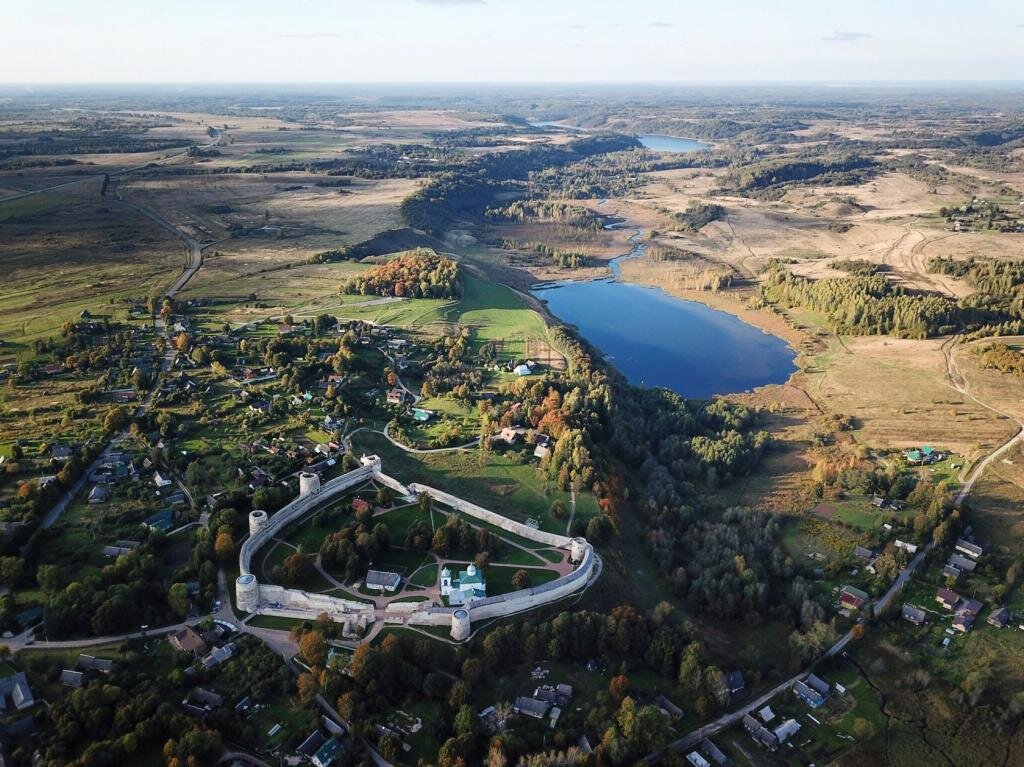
[671,143]
[657,340]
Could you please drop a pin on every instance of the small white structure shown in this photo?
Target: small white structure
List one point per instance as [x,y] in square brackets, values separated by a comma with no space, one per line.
[461,626]
[577,549]
[309,483]
[257,521]
[161,480]
[247,592]
[522,370]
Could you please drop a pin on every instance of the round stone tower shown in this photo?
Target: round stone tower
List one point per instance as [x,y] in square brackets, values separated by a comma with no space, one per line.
[257,521]
[309,483]
[460,625]
[577,549]
[247,592]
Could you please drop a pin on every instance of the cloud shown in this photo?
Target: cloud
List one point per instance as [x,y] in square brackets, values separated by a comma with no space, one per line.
[314,35]
[845,37]
[574,26]
[451,2]
[661,24]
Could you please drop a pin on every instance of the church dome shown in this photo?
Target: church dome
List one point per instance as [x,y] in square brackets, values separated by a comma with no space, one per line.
[471,570]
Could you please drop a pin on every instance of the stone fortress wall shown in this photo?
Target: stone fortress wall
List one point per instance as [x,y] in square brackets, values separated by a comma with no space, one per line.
[262,599]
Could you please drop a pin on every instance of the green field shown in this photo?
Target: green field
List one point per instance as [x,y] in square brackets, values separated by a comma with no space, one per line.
[511,487]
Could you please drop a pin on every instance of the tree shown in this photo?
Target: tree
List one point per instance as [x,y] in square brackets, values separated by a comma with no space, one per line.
[296,569]
[520,580]
[224,546]
[313,647]
[307,685]
[618,687]
[177,599]
[11,570]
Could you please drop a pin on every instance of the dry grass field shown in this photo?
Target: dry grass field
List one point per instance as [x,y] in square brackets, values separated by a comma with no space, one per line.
[898,392]
[62,254]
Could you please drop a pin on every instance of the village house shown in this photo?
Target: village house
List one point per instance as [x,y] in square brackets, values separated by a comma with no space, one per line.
[99,494]
[862,553]
[161,521]
[910,548]
[92,663]
[218,655]
[915,615]
[999,618]
[852,597]
[510,435]
[761,734]
[162,480]
[735,683]
[61,452]
[380,580]
[70,678]
[972,607]
[808,695]
[187,640]
[15,689]
[120,547]
[787,730]
[947,598]
[969,548]
[538,709]
[963,622]
[396,396]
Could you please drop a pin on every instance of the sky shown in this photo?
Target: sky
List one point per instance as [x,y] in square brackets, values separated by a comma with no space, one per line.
[367,41]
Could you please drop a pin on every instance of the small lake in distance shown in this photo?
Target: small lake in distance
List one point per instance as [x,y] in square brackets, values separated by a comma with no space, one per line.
[658,143]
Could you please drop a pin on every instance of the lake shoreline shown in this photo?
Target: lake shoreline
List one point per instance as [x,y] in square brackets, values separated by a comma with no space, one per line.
[637,328]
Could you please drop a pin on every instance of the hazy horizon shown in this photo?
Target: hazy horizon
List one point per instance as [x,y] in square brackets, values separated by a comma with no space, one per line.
[508,42]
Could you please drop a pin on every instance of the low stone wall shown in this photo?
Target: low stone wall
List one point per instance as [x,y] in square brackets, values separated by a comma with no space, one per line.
[524,531]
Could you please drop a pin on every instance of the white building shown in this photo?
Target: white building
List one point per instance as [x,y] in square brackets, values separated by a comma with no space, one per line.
[468,586]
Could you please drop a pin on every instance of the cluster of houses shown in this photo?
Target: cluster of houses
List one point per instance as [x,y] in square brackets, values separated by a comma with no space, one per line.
[965,610]
[981,213]
[209,648]
[322,746]
[547,701]
[767,734]
[87,668]
[512,435]
[964,559]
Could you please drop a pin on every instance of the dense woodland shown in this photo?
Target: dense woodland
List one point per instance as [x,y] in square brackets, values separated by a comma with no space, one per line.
[419,274]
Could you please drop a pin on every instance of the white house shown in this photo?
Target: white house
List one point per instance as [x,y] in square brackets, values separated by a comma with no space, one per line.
[379,580]
[161,480]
